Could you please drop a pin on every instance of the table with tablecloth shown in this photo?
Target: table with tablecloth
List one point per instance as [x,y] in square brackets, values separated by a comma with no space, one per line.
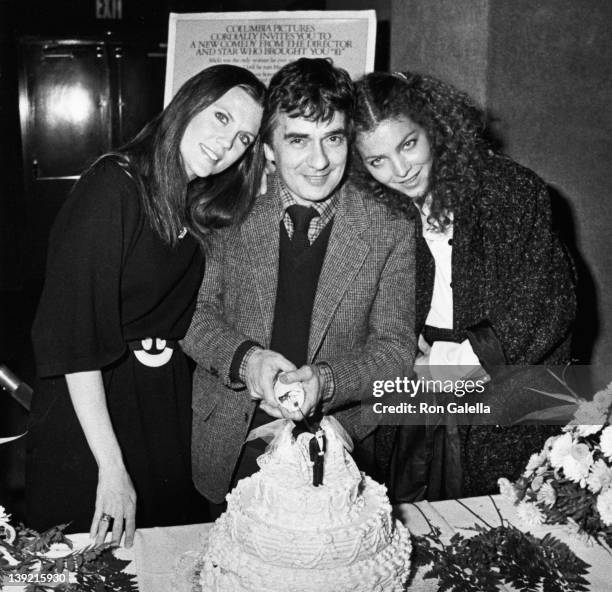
[164,558]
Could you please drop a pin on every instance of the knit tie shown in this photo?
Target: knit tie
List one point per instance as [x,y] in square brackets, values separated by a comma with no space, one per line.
[301,217]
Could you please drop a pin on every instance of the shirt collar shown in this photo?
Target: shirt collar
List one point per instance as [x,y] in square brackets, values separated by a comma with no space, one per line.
[325,208]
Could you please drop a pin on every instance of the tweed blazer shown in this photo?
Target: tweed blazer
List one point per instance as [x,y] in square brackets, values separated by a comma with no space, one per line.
[513,282]
[362,323]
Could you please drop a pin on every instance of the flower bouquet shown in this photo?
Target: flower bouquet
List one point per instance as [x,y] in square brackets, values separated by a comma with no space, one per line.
[570,480]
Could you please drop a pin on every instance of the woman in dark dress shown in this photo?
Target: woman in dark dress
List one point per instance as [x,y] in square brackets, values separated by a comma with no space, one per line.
[494,285]
[109,434]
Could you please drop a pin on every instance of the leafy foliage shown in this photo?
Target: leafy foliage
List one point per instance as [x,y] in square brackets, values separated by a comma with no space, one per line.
[499,555]
[95,569]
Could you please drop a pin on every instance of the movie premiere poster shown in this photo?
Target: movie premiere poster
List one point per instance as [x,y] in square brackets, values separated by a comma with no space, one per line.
[265,41]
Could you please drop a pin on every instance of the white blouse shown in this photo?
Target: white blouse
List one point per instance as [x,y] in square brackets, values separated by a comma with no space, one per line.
[444,353]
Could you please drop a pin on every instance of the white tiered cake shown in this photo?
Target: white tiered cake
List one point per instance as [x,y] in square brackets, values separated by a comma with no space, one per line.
[282,534]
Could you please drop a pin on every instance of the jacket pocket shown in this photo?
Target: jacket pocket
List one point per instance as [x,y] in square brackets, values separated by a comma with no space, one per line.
[204,406]
[204,398]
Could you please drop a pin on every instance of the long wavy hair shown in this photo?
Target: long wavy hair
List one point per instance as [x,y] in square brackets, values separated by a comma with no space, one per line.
[454,126]
[153,159]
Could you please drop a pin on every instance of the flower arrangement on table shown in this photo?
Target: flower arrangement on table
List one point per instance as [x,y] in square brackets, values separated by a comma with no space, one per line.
[570,480]
[47,561]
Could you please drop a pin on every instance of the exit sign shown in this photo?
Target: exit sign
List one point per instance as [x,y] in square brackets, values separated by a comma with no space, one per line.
[109,9]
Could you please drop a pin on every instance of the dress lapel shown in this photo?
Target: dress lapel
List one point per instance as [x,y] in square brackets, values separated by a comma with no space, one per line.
[345,255]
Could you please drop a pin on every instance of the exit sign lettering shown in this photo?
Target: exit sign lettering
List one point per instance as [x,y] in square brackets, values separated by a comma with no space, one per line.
[109,9]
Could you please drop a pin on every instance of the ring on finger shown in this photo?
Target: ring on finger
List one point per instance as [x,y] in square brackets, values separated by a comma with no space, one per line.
[106,517]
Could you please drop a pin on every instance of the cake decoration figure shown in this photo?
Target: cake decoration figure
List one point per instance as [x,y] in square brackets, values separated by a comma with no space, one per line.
[317,447]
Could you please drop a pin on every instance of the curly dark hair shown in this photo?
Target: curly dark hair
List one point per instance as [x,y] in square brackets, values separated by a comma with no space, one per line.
[454,125]
[309,87]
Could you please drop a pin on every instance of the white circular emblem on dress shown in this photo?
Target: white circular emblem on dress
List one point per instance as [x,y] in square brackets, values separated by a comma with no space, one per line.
[159,357]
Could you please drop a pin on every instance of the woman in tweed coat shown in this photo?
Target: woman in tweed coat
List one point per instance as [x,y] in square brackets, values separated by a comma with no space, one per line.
[494,285]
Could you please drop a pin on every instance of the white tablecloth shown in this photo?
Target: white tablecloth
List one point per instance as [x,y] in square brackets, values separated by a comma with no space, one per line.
[163,558]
